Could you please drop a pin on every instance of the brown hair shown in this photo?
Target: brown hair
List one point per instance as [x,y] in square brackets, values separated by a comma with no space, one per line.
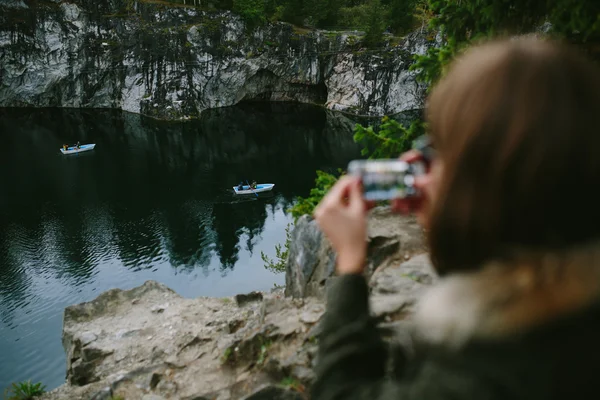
[515,123]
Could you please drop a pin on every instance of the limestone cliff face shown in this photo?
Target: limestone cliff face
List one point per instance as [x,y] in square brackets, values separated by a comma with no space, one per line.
[174,62]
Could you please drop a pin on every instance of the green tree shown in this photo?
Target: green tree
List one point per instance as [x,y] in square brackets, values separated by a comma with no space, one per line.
[401,14]
[293,11]
[376,24]
[253,11]
[316,10]
[390,140]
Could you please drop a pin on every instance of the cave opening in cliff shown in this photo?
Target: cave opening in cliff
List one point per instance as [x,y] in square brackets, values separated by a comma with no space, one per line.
[267,86]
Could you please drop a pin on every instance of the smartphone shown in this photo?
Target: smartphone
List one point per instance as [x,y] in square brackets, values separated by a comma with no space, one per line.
[386,179]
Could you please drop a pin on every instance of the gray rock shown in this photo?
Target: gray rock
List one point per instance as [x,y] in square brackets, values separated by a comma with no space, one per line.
[153,380]
[225,64]
[407,277]
[87,338]
[14,4]
[81,373]
[313,315]
[104,394]
[152,397]
[167,388]
[390,307]
[271,392]
[243,299]
[159,308]
[304,374]
[311,261]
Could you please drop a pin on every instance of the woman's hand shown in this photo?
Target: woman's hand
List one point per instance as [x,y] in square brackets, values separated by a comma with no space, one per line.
[426,184]
[341,215]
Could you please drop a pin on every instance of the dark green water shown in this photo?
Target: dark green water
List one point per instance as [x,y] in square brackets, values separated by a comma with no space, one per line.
[152,201]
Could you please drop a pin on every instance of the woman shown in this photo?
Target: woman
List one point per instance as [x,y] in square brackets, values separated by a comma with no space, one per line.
[512,213]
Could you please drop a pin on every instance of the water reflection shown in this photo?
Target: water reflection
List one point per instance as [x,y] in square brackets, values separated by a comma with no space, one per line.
[153,201]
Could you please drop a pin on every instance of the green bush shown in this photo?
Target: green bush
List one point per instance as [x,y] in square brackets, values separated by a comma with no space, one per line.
[323,183]
[25,390]
[391,140]
[356,17]
[252,11]
[281,254]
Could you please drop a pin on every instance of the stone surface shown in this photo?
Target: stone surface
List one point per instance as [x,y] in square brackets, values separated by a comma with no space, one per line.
[271,392]
[392,238]
[174,62]
[243,299]
[190,350]
[395,290]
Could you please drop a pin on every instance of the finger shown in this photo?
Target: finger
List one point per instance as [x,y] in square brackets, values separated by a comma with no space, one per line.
[341,188]
[411,156]
[335,197]
[356,200]
[423,182]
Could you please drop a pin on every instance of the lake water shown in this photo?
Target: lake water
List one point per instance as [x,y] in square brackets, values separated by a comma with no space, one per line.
[152,201]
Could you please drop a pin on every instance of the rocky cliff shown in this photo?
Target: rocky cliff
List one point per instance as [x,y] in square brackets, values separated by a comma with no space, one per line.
[149,343]
[174,61]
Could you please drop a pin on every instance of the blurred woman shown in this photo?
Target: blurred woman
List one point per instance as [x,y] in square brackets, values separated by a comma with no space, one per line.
[512,215]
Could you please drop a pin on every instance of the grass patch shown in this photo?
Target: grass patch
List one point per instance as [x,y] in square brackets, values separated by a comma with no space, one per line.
[293,384]
[301,31]
[226,355]
[24,390]
[262,355]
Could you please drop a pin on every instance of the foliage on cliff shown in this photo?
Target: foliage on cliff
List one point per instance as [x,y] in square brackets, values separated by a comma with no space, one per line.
[372,16]
[277,264]
[390,140]
[464,22]
[323,183]
[24,391]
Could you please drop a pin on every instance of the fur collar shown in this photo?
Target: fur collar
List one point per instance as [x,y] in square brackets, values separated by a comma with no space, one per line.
[503,300]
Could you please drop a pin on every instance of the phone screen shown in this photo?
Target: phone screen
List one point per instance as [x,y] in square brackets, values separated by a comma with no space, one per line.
[384,179]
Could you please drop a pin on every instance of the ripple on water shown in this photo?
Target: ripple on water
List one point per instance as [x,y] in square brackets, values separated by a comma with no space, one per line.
[139,244]
[35,352]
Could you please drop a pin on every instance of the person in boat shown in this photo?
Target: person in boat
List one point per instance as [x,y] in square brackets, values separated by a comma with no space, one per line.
[511,215]
[65,147]
[240,186]
[253,186]
[78,145]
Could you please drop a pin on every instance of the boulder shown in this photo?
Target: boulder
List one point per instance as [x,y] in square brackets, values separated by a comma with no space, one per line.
[118,345]
[392,238]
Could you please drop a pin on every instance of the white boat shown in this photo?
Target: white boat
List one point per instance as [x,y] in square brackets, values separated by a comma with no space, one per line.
[260,188]
[75,150]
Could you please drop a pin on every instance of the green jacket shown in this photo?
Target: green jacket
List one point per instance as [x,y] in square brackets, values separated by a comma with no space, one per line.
[529,331]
